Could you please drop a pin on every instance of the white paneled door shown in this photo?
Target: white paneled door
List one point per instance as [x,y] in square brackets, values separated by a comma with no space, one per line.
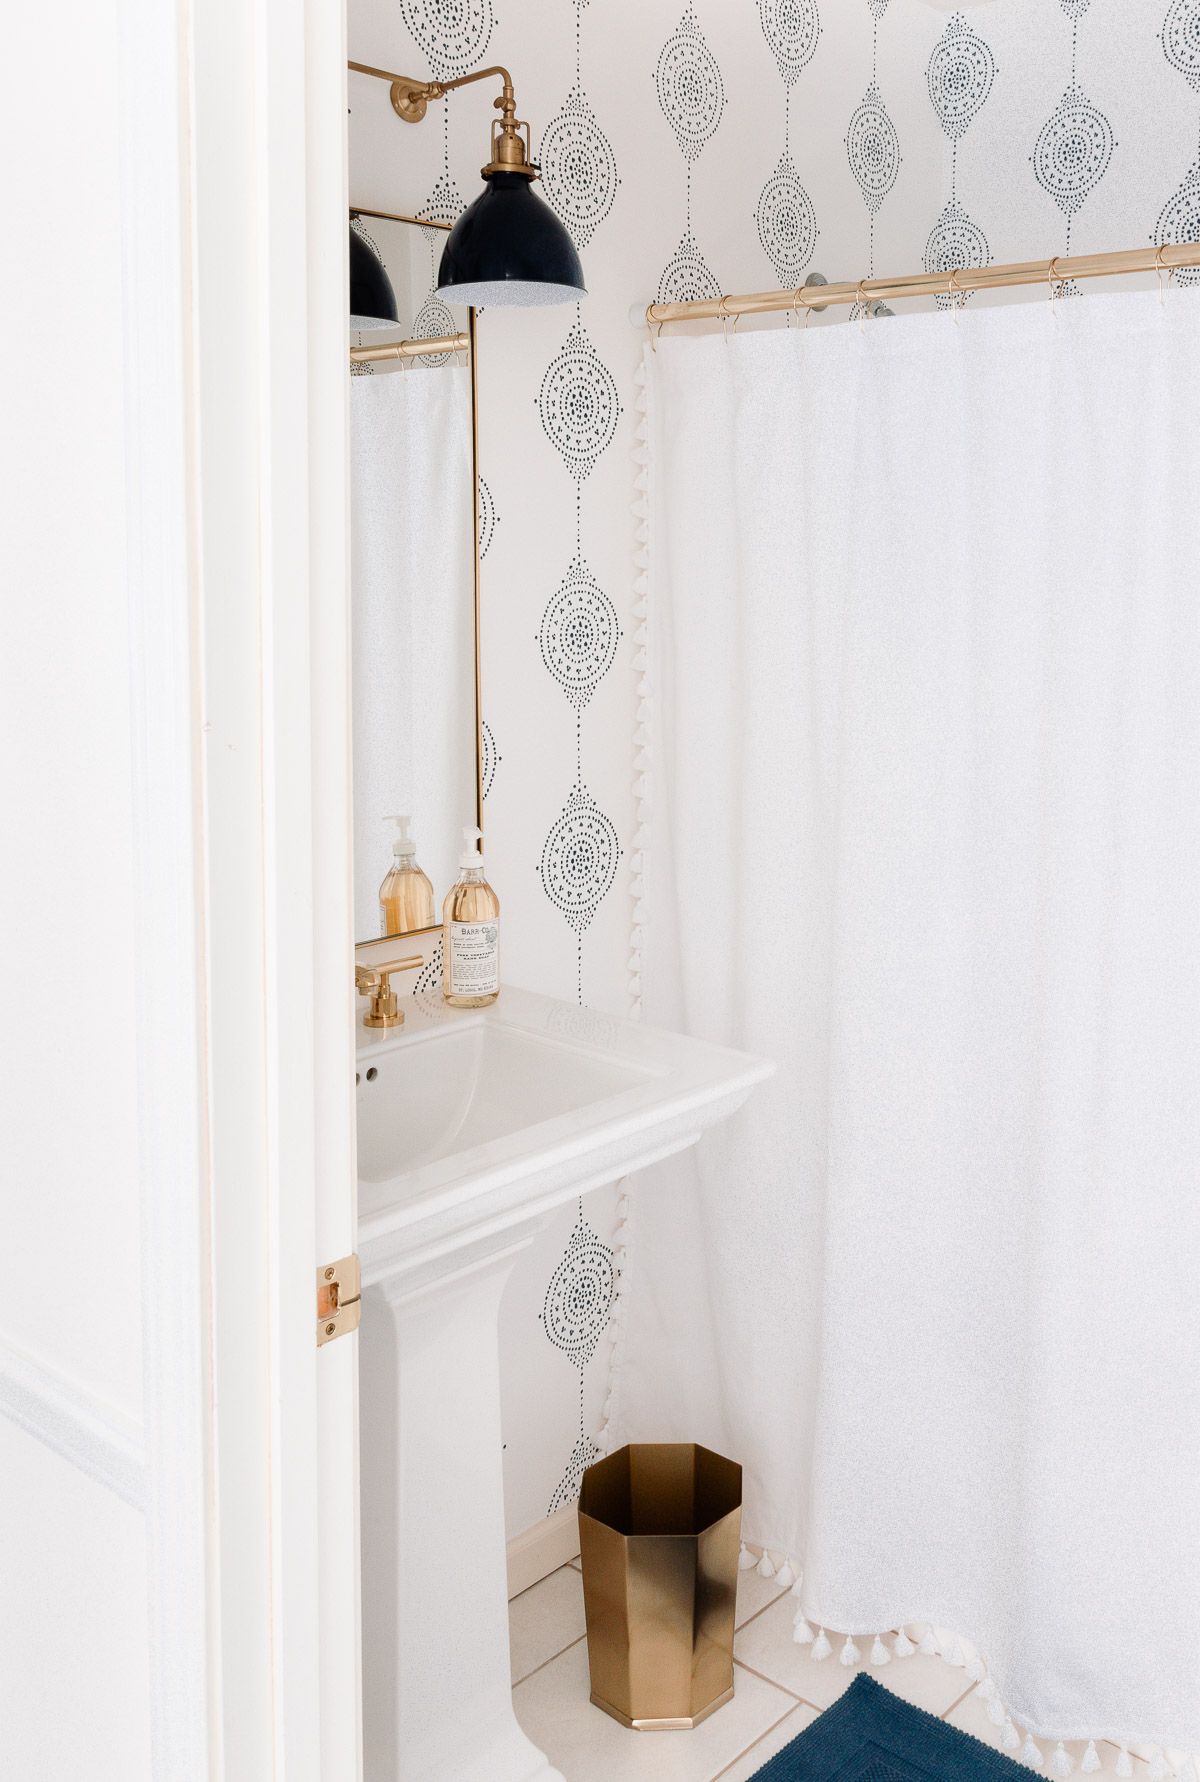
[179,1516]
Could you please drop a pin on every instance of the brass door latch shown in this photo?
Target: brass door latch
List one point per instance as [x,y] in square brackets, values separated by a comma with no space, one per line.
[339,1299]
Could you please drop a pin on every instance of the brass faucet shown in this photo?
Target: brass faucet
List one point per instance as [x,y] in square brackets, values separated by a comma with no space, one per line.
[373,981]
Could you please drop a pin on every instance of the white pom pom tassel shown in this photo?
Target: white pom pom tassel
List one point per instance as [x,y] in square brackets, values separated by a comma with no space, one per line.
[927,1645]
[975,1670]
[1091,1759]
[995,1711]
[1060,1763]
[746,1559]
[902,1646]
[880,1653]
[850,1653]
[766,1565]
[1124,1763]
[1010,1738]
[821,1647]
[1030,1753]
[1158,1771]
[798,1586]
[802,1633]
[785,1577]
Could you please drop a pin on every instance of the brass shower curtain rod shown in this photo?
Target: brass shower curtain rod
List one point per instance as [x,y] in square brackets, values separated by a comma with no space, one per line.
[955,283]
[410,349]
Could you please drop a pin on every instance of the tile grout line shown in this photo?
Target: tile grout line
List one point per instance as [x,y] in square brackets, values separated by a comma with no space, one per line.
[551,1660]
[748,1749]
[958,1704]
[782,1597]
[740,1662]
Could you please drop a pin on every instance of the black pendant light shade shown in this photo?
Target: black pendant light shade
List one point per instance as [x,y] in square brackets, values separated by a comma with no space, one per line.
[508,247]
[372,300]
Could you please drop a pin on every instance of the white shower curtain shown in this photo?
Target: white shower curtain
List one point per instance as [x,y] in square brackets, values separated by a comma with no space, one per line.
[923,825]
[413,620]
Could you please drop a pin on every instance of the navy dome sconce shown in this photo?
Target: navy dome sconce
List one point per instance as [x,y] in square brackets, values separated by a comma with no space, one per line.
[508,247]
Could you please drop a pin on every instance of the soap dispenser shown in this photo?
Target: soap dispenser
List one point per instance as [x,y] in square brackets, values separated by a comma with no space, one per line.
[406,895]
[471,933]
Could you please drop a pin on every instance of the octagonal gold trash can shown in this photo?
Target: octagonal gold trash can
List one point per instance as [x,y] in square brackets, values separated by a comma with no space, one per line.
[659,1533]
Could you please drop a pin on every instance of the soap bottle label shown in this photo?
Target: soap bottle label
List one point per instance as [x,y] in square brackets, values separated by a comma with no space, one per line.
[474,958]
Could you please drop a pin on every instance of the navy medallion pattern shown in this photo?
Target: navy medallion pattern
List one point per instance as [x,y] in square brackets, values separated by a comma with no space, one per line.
[691,93]
[578,637]
[691,97]
[578,403]
[579,859]
[453,34]
[579,169]
[685,278]
[960,76]
[579,1296]
[785,216]
[575,1315]
[579,634]
[489,518]
[1180,37]
[1179,219]
[490,757]
[872,145]
[1073,150]
[1074,146]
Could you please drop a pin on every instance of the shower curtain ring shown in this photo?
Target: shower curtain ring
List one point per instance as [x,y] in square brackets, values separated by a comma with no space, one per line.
[1052,276]
[723,312]
[862,304]
[956,292]
[1160,268]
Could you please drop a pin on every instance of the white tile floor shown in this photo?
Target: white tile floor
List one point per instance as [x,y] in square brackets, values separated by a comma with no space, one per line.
[779,1690]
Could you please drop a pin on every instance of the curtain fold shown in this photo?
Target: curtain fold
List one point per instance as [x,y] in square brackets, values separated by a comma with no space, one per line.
[413,619]
[924,827]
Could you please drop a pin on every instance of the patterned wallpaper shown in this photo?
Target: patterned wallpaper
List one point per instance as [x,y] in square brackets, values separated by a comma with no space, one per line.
[736,145]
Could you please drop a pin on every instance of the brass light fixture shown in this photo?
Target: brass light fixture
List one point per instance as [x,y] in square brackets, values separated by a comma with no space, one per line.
[508,247]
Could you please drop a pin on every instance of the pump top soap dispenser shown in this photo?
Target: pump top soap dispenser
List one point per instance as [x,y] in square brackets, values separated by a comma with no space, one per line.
[406,895]
[471,933]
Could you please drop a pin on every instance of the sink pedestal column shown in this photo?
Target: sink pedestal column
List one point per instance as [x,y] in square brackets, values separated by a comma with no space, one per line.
[437,1700]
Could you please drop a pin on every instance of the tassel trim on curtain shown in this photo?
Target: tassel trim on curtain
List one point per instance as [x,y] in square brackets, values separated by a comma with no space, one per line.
[1045,1753]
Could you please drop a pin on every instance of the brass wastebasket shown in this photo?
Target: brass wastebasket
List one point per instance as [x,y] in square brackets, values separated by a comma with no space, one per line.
[659,1532]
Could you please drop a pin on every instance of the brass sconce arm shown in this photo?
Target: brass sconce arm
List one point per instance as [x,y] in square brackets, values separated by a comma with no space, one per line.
[410,101]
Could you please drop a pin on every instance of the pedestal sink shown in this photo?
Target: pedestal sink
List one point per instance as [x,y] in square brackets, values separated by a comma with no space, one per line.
[473,1125]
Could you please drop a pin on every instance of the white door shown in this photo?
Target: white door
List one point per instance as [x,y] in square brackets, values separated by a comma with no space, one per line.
[270,196]
[178,1525]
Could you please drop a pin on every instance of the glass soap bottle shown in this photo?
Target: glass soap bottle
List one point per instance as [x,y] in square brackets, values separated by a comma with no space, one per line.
[471,933]
[406,895]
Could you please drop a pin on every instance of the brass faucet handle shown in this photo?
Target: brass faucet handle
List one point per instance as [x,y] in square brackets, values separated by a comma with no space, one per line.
[374,981]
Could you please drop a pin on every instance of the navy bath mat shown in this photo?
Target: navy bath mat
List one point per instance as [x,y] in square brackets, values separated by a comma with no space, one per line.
[870,1735]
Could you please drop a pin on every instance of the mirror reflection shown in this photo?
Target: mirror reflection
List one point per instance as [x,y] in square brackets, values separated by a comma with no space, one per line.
[413,571]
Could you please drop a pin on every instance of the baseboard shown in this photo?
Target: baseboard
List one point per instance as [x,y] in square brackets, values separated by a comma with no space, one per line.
[540,1550]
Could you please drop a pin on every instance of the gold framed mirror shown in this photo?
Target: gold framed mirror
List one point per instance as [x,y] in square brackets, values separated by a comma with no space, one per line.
[415,555]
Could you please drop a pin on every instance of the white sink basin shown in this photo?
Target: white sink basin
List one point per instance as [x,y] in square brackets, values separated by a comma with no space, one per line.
[444,1090]
[472,1117]
[472,1126]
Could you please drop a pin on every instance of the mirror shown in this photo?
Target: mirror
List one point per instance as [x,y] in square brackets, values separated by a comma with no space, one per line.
[414,582]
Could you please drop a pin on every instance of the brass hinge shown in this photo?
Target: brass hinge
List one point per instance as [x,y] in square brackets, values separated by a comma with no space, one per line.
[339,1302]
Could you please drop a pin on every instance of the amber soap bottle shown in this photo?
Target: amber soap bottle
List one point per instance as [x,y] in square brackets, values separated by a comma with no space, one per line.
[406,895]
[471,933]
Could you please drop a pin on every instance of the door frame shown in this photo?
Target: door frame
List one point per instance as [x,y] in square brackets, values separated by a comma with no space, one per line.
[234,192]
